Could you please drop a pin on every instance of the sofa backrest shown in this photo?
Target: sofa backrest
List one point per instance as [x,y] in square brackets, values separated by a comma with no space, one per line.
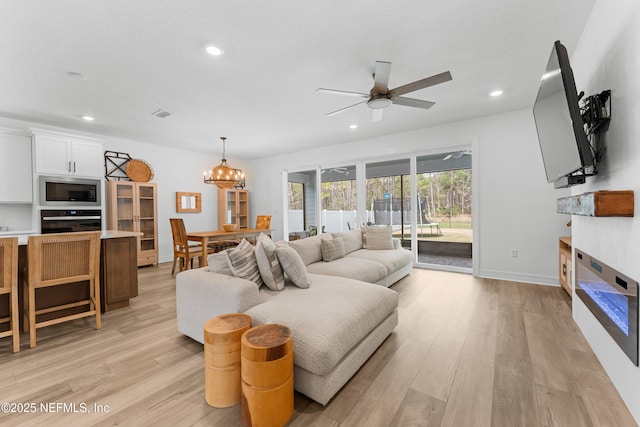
[309,248]
[352,240]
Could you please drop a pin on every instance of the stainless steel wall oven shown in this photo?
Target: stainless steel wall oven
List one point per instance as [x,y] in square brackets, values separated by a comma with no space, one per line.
[65,221]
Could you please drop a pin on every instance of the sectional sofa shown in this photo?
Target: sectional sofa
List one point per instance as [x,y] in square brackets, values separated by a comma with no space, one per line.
[337,322]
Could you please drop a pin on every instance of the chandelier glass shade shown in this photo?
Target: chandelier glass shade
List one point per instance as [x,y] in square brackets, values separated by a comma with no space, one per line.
[223,175]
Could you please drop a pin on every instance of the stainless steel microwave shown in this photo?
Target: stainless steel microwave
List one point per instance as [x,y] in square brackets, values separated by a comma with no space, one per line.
[70,191]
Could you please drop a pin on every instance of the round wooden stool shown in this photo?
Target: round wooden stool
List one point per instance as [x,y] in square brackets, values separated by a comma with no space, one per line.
[267,376]
[222,359]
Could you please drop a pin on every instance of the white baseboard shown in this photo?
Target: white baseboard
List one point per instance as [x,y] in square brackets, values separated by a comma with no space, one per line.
[518,277]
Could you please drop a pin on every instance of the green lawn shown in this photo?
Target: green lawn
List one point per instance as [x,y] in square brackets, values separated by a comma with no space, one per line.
[464,235]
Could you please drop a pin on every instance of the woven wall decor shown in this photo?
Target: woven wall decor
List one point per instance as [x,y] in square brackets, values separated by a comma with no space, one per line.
[139,170]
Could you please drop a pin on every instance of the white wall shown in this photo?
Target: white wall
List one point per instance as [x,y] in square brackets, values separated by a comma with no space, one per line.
[608,57]
[516,208]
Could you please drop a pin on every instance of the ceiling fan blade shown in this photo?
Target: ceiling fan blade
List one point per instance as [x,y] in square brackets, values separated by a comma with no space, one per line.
[377,114]
[381,75]
[421,84]
[333,113]
[411,102]
[343,92]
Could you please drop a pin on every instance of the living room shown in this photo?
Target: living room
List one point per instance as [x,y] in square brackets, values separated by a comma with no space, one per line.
[514,205]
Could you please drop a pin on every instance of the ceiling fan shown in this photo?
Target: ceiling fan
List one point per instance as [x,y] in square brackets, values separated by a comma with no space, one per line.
[380,96]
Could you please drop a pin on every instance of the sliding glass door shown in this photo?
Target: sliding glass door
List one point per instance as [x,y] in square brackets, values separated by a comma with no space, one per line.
[388,200]
[443,220]
[426,199]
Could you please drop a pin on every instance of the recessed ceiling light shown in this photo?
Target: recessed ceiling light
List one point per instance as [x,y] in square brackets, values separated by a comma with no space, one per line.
[496,93]
[88,118]
[77,76]
[353,126]
[214,51]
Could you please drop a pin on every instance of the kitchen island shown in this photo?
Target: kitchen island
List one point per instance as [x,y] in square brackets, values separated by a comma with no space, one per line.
[118,276]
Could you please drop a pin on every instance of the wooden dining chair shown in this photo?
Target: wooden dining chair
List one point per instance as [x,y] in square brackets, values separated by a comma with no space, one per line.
[9,287]
[182,249]
[263,222]
[55,260]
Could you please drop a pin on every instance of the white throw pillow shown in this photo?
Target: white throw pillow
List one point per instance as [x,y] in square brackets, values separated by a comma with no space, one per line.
[268,265]
[293,265]
[332,248]
[378,238]
[242,262]
[218,263]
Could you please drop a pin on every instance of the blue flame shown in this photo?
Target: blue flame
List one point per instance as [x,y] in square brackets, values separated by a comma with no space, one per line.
[613,303]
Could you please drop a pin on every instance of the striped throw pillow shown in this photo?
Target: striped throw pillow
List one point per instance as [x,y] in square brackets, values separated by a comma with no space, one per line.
[270,268]
[242,262]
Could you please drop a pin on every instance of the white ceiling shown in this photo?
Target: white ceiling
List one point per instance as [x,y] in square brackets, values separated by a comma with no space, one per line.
[143,55]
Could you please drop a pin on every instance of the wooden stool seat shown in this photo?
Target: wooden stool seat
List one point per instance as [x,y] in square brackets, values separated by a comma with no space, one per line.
[9,287]
[267,376]
[222,358]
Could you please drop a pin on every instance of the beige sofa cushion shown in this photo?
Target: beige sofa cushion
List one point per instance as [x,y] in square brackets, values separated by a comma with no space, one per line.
[328,319]
[393,259]
[352,240]
[309,249]
[218,263]
[358,269]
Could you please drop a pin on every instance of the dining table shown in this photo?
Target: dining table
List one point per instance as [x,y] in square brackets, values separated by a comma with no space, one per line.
[204,237]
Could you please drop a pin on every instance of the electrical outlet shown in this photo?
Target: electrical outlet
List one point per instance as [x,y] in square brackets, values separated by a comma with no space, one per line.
[514,253]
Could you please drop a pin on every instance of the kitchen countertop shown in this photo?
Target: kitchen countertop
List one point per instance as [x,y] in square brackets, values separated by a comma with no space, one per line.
[106,234]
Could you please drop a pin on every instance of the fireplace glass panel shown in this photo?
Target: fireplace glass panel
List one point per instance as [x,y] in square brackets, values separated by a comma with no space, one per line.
[613,300]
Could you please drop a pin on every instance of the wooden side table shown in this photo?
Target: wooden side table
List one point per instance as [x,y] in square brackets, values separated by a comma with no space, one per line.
[267,376]
[222,359]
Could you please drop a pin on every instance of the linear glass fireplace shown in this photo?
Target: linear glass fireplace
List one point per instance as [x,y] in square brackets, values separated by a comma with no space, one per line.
[612,298]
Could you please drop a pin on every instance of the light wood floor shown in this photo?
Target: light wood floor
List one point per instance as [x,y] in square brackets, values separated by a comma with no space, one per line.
[467,352]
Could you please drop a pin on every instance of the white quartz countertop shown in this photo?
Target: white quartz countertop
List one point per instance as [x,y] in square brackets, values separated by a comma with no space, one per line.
[106,234]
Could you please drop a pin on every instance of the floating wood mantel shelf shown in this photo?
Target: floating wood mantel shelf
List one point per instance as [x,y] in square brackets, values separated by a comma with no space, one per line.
[598,203]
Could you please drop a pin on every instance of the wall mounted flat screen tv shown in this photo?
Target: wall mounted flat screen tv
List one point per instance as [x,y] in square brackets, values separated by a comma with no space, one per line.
[563,141]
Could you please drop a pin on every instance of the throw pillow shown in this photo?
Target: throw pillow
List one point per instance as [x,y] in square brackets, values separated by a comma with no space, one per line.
[332,249]
[268,265]
[293,265]
[218,263]
[242,262]
[379,238]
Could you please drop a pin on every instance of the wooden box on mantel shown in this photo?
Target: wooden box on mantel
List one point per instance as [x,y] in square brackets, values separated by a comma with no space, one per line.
[598,203]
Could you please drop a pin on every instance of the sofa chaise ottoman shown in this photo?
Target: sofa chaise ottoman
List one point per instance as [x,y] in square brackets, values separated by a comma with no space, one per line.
[337,323]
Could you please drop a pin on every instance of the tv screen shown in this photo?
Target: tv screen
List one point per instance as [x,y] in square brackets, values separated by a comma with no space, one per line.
[563,141]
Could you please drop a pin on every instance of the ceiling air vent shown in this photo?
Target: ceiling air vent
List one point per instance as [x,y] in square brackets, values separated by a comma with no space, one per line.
[161,113]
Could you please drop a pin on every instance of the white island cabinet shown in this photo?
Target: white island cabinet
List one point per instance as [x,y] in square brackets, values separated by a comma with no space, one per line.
[16,177]
[63,154]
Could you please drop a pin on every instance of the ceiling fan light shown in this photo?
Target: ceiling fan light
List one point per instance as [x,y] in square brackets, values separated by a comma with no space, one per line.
[377,103]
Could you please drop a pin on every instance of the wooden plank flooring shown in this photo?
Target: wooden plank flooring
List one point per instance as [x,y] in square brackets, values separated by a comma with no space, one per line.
[467,352]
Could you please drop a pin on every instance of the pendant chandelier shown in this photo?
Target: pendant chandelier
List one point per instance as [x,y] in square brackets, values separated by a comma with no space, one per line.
[223,175]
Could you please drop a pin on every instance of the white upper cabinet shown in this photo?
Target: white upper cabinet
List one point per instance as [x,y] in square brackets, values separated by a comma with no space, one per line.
[61,154]
[16,177]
